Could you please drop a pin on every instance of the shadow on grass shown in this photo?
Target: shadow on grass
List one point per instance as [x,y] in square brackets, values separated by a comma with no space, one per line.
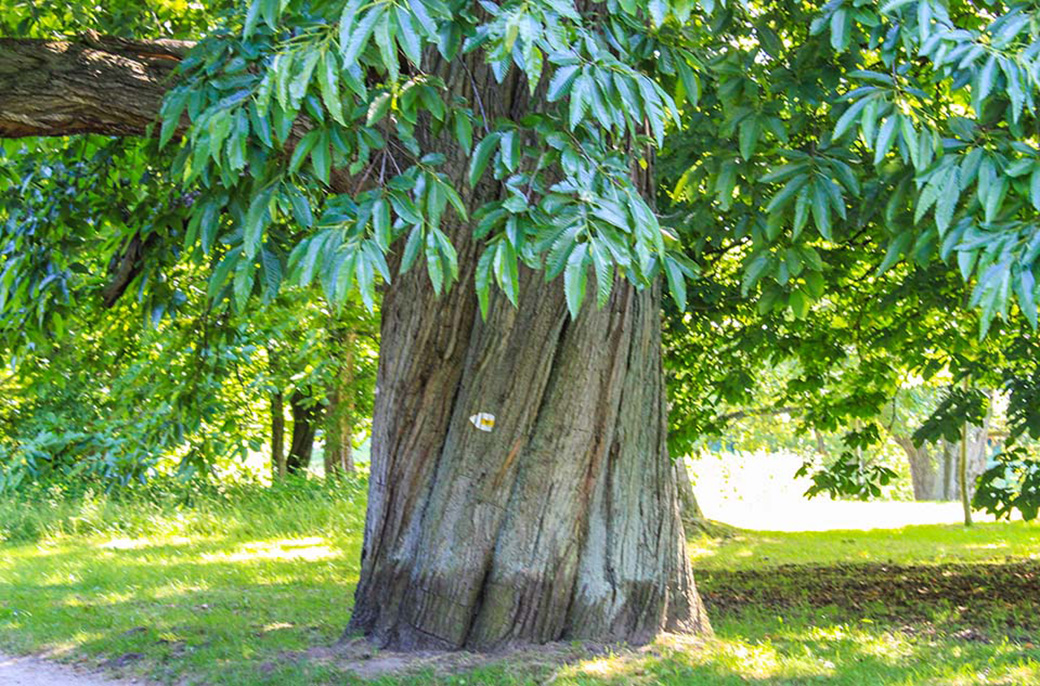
[239,611]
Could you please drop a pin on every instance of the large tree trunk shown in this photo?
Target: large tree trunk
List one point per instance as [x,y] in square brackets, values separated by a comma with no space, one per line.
[562,521]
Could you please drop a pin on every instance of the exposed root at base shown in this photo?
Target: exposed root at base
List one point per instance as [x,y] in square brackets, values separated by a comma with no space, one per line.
[709,527]
[543,661]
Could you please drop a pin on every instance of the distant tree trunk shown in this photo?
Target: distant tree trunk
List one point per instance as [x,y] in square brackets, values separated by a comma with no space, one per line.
[306,414]
[278,465]
[924,472]
[934,468]
[339,419]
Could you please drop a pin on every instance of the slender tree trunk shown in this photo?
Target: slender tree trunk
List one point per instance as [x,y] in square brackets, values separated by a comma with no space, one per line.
[962,475]
[306,414]
[563,520]
[278,466]
[339,419]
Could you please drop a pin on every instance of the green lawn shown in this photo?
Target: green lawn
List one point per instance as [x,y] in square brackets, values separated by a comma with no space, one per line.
[235,588]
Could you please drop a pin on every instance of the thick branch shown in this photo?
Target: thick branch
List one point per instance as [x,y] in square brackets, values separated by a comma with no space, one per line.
[90,84]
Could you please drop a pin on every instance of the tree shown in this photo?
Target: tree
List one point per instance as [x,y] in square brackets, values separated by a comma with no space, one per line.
[464,546]
[521,487]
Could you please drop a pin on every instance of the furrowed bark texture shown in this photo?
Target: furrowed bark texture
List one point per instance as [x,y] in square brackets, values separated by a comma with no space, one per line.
[563,521]
[560,523]
[109,86]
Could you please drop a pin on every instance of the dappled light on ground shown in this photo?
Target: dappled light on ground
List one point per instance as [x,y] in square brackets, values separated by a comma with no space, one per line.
[310,548]
[265,603]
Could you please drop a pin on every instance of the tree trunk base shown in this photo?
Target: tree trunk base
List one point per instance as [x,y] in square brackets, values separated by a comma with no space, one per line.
[562,521]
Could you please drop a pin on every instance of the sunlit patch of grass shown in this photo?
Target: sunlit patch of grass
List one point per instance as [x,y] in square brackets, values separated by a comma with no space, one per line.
[235,591]
[922,544]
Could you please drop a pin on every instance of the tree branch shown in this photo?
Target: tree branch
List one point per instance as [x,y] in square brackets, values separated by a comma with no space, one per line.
[90,84]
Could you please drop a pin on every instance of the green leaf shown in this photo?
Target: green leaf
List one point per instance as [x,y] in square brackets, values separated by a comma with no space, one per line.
[561,81]
[407,36]
[574,277]
[252,19]
[886,136]
[580,100]
[820,209]
[482,280]
[378,108]
[603,265]
[676,282]
[850,116]
[464,130]
[799,302]
[272,273]
[303,148]
[841,28]
[896,247]
[507,272]
[256,221]
[411,248]
[360,34]
[1025,290]
[329,85]
[750,130]
[946,204]
[1034,188]
[381,223]
[478,163]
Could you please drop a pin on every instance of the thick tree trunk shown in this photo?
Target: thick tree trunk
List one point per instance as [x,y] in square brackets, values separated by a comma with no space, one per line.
[278,466]
[306,415]
[563,520]
[560,522]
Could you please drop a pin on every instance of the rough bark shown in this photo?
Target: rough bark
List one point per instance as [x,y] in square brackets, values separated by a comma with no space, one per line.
[278,467]
[110,86]
[306,414]
[563,521]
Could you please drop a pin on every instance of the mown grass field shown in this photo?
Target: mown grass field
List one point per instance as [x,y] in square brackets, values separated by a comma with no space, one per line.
[236,587]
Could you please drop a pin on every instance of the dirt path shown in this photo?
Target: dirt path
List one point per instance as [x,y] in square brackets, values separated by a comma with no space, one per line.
[32,671]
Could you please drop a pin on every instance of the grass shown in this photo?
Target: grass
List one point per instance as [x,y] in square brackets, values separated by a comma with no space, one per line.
[236,586]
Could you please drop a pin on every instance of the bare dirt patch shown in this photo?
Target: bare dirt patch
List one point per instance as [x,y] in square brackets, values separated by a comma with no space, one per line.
[544,662]
[33,671]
